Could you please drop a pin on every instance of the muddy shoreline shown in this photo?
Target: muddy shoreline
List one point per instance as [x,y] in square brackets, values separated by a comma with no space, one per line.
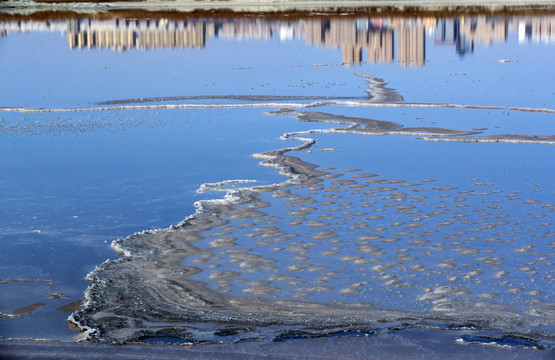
[403,344]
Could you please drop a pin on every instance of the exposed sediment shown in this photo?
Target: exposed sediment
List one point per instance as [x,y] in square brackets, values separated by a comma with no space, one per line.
[329,251]
[150,292]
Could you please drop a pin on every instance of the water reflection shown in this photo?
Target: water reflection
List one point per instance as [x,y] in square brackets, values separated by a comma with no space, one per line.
[375,39]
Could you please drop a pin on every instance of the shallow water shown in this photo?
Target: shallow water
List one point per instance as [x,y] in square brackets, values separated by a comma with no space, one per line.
[407,176]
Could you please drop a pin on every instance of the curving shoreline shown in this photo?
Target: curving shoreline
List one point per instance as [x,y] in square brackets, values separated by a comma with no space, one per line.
[148,293]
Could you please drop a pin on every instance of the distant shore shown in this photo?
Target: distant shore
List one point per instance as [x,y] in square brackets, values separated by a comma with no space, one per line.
[268,7]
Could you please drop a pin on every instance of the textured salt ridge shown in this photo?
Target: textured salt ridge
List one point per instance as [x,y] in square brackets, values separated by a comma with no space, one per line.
[147,293]
[148,285]
[377,92]
[181,300]
[224,97]
[150,280]
[380,127]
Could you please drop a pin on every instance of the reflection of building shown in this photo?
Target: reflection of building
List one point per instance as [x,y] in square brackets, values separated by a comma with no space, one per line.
[466,31]
[245,29]
[380,46]
[448,32]
[537,30]
[352,54]
[356,37]
[135,34]
[352,37]
[411,45]
[483,30]
[317,32]
[337,33]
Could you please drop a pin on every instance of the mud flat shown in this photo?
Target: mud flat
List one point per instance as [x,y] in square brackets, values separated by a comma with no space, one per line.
[330,251]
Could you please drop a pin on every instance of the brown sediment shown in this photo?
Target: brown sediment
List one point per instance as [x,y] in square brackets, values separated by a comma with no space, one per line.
[151,291]
[28,309]
[72,306]
[10,281]
[49,293]
[380,127]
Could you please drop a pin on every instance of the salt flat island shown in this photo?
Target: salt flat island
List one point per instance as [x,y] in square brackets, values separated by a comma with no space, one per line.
[365,175]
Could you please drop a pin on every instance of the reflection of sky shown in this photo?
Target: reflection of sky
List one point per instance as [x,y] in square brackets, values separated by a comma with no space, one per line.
[129,178]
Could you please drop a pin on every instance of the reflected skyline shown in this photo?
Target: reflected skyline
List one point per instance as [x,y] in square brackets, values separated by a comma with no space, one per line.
[372,40]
